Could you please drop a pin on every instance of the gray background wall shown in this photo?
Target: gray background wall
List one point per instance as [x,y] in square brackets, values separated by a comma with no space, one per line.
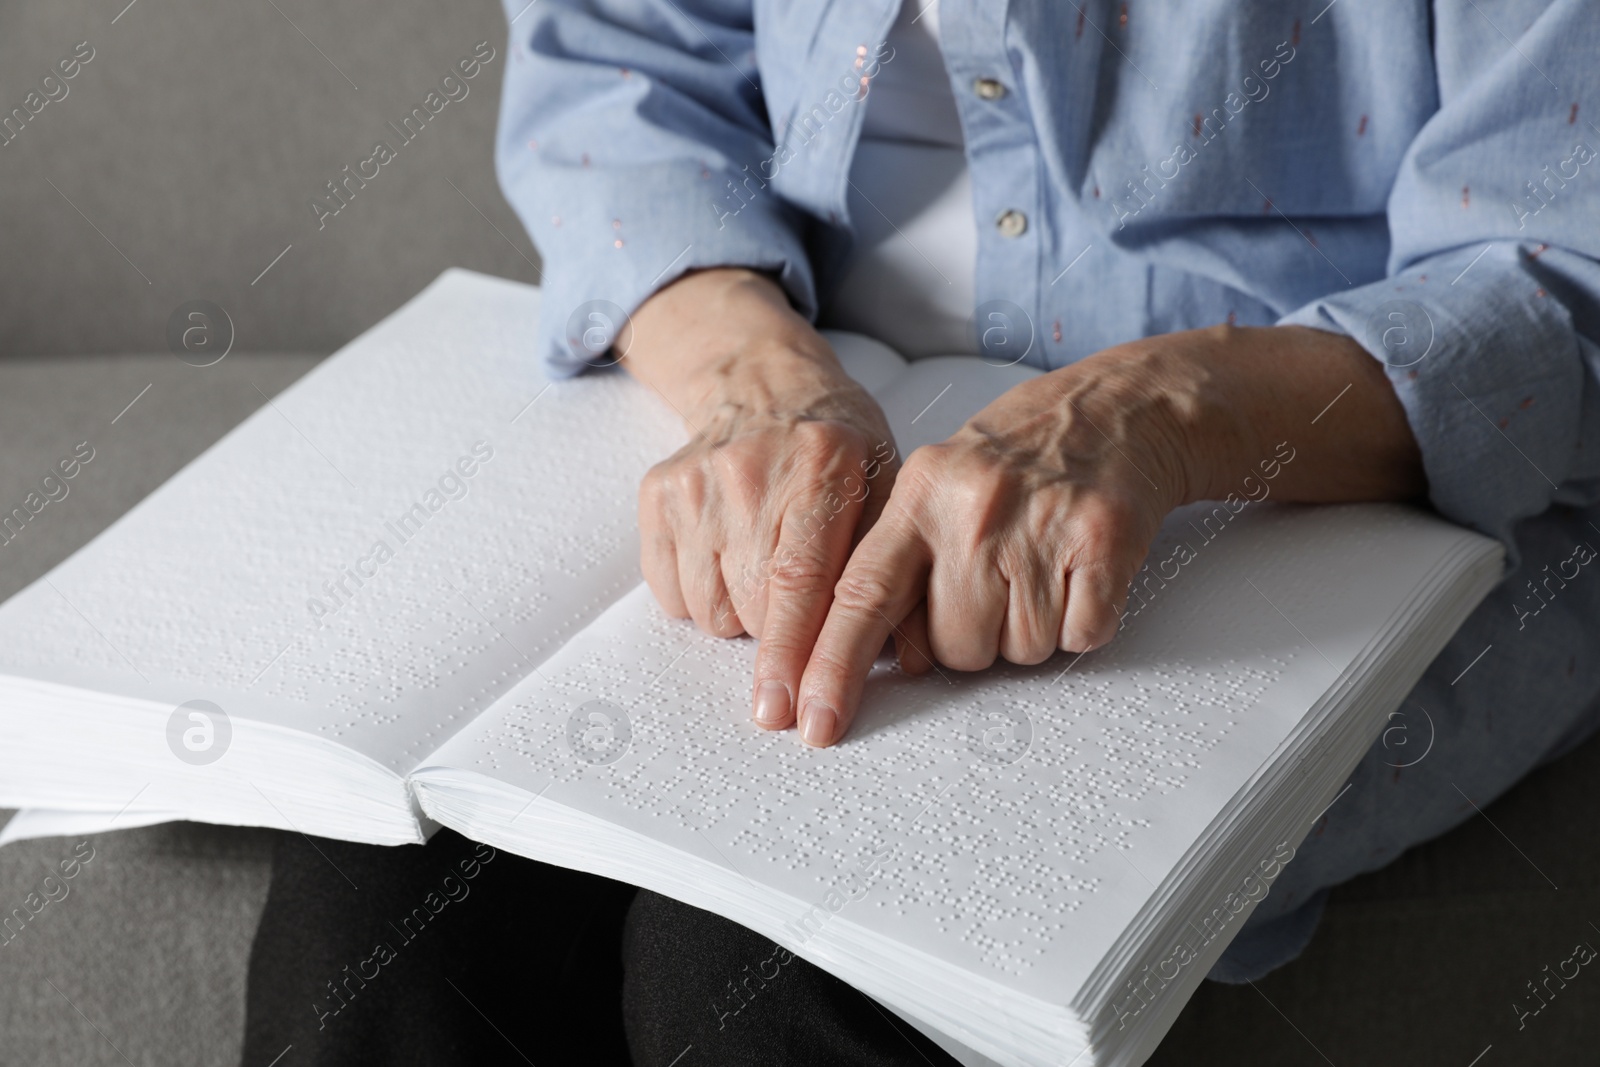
[194,140]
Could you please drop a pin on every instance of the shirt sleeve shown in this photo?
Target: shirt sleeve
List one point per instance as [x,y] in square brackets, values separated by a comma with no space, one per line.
[1487,323]
[630,143]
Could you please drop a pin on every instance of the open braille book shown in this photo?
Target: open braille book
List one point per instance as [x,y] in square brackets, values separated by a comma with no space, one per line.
[406,593]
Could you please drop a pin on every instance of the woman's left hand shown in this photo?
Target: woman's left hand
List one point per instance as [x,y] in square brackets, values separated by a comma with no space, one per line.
[1020,534]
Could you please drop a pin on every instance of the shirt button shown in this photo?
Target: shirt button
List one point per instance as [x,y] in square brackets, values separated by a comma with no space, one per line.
[1011,223]
[988,88]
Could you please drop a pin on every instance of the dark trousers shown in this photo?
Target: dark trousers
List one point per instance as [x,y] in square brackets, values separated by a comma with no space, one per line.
[453,953]
[448,953]
[713,992]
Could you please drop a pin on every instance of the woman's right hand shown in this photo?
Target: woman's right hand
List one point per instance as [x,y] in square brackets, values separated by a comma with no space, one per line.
[748,527]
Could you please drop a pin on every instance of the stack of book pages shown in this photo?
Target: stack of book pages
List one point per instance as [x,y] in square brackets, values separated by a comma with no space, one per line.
[405,593]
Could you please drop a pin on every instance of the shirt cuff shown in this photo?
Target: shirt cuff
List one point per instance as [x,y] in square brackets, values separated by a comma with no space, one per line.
[631,231]
[1489,370]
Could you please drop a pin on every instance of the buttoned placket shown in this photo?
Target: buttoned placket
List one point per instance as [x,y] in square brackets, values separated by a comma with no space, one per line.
[1003,158]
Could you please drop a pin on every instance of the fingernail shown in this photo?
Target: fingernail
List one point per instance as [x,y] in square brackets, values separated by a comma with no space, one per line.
[817,729]
[772,703]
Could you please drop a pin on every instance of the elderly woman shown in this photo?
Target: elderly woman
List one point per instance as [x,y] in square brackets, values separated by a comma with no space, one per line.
[1367,229]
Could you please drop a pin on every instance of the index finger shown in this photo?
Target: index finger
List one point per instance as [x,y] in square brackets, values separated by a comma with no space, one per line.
[885,579]
[804,568]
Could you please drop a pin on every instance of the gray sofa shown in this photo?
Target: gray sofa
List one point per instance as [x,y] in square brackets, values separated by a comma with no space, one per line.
[179,165]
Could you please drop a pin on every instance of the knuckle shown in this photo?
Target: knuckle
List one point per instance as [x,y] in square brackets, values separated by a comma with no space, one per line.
[1088,627]
[924,463]
[743,467]
[862,590]
[1029,647]
[686,481]
[1097,555]
[723,621]
[917,485]
[654,488]
[743,583]
[801,572]
[1101,528]
[981,500]
[815,450]
[1076,640]
[967,483]
[815,437]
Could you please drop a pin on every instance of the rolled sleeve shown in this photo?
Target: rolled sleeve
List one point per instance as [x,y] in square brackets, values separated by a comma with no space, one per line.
[1486,323]
[1497,385]
[622,125]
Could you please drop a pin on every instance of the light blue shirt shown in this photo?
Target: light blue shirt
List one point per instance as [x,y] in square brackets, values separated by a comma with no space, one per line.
[1422,177]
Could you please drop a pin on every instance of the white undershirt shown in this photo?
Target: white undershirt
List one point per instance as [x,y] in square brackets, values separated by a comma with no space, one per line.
[910,282]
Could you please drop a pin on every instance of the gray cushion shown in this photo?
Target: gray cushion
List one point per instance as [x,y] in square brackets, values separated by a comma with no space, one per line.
[143,958]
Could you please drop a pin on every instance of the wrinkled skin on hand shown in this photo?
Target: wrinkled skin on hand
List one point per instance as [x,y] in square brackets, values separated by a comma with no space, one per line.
[789,516]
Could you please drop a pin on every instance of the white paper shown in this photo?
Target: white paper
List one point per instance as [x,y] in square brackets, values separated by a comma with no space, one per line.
[206,588]
[1024,872]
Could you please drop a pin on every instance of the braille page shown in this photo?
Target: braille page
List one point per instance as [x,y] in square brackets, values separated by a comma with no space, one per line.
[1007,824]
[375,554]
